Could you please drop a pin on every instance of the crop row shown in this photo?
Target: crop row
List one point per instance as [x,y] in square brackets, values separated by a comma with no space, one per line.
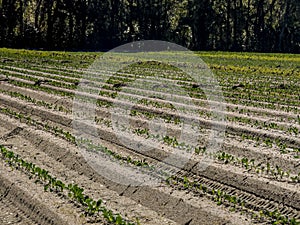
[74,192]
[35,101]
[154,103]
[47,89]
[227,197]
[206,114]
[283,147]
[259,168]
[54,82]
[231,94]
[249,165]
[291,129]
[246,120]
[222,198]
[268,142]
[247,63]
[256,122]
[235,95]
[292,89]
[289,108]
[40,73]
[71,138]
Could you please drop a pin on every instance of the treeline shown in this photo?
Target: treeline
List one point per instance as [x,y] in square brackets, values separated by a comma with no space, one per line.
[235,25]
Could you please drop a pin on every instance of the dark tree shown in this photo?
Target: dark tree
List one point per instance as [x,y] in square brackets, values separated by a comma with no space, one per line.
[234,25]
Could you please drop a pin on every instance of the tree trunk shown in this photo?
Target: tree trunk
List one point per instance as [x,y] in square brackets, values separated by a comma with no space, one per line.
[284,24]
[228,28]
[50,21]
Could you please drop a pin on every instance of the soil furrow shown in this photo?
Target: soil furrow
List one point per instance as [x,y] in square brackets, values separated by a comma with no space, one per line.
[31,200]
[279,105]
[220,173]
[169,206]
[247,172]
[208,124]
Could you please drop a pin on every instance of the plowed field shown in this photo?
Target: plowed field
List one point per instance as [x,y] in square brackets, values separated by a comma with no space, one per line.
[46,176]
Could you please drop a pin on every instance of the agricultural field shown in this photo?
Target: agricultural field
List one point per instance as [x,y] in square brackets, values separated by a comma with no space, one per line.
[45,177]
